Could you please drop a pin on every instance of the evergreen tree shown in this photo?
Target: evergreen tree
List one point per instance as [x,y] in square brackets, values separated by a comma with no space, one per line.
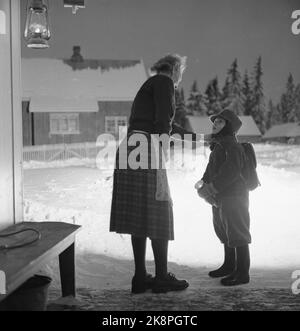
[235,98]
[288,102]
[247,95]
[274,115]
[213,97]
[225,93]
[180,114]
[182,96]
[178,97]
[291,99]
[269,114]
[195,103]
[297,102]
[258,110]
[191,101]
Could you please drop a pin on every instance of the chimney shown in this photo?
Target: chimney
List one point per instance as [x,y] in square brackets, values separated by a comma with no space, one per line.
[76,57]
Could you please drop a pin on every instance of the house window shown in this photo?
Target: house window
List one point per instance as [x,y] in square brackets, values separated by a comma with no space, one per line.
[64,123]
[112,123]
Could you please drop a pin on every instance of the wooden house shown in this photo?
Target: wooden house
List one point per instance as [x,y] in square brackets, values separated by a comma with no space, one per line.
[202,125]
[74,100]
[283,133]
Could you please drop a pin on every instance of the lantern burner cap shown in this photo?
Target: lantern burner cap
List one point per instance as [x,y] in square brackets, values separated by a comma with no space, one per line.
[37,43]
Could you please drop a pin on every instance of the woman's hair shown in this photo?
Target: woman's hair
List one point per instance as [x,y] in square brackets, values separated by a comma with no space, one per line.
[168,63]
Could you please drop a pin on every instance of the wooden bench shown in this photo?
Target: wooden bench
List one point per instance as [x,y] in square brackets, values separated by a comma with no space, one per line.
[18,265]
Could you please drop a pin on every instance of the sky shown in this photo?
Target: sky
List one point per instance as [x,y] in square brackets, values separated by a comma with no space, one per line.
[211,33]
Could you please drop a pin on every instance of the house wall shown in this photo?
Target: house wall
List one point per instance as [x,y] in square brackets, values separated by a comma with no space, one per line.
[90,124]
[283,140]
[116,108]
[251,139]
[296,140]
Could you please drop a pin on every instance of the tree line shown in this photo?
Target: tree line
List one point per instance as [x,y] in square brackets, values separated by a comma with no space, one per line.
[244,95]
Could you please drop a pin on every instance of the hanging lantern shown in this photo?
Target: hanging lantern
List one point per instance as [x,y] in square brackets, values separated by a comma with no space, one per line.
[37,31]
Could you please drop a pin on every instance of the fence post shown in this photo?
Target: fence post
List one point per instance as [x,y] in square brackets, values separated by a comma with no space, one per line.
[86,150]
[44,153]
[65,151]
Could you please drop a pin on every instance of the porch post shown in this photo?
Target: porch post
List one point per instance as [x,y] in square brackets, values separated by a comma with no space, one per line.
[11,200]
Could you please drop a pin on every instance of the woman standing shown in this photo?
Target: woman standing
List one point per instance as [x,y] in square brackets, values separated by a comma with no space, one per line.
[138,208]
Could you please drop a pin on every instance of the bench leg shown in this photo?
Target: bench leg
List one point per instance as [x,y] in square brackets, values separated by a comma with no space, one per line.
[67,271]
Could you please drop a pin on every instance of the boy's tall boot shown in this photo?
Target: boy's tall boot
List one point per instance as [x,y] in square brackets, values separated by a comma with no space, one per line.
[228,266]
[241,275]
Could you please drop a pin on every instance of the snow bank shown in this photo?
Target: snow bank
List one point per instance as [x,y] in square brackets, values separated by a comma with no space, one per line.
[278,155]
[87,197]
[72,162]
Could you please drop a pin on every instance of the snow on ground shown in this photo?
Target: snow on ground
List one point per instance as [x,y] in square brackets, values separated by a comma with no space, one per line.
[81,194]
[59,164]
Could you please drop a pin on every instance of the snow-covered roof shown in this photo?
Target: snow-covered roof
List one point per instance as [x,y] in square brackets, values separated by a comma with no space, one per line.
[49,104]
[283,130]
[90,80]
[203,125]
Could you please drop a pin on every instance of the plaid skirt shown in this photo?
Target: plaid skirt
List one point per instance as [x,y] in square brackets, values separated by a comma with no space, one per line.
[136,208]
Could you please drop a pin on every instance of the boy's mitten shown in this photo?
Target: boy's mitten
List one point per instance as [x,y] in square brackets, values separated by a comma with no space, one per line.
[208,192]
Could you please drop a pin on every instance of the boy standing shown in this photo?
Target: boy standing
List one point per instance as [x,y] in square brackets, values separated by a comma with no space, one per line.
[224,185]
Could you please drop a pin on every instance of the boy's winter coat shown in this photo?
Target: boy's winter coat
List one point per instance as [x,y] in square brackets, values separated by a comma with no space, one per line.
[224,168]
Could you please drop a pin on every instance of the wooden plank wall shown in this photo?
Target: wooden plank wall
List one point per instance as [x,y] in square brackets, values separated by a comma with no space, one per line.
[90,124]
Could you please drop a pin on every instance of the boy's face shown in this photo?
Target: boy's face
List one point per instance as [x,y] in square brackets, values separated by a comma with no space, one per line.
[218,125]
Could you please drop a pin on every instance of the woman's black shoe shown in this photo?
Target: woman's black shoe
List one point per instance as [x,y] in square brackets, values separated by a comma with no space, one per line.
[141,285]
[169,283]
